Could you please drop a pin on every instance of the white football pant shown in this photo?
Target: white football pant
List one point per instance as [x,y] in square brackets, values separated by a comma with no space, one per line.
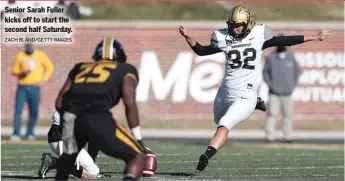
[233,106]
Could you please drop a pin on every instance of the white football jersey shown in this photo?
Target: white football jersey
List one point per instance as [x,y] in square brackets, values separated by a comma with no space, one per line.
[243,57]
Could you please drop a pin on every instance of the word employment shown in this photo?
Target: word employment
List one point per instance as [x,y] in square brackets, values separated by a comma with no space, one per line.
[34,10]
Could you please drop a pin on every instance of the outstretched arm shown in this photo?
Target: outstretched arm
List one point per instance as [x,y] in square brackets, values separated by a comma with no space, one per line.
[200,50]
[295,39]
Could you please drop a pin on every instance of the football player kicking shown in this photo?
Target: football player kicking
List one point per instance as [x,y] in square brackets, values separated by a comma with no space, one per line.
[243,43]
[84,104]
[86,167]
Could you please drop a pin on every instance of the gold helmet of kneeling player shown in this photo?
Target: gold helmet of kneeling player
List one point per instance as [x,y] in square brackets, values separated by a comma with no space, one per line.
[109,49]
[237,16]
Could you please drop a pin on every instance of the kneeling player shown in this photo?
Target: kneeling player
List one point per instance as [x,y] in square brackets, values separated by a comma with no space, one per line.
[86,168]
[84,103]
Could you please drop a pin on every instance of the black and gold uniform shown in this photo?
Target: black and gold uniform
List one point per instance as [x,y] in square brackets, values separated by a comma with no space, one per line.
[91,90]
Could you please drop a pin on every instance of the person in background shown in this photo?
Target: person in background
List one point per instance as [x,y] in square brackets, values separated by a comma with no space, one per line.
[75,10]
[9,3]
[32,67]
[281,73]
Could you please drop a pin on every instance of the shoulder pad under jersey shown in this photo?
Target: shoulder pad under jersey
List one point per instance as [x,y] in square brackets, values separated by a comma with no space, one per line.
[262,31]
[218,38]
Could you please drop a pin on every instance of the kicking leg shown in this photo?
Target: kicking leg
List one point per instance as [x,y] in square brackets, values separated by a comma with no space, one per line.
[218,140]
[240,110]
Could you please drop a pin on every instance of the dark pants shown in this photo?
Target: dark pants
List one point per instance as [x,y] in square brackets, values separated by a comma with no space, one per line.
[31,95]
[101,130]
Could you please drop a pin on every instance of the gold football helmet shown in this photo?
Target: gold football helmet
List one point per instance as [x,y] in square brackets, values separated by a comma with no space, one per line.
[240,15]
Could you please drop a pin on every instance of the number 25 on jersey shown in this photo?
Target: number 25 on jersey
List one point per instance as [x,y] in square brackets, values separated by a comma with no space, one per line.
[97,70]
[235,57]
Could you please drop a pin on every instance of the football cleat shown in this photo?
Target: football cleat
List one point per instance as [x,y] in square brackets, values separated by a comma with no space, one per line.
[46,165]
[261,105]
[203,162]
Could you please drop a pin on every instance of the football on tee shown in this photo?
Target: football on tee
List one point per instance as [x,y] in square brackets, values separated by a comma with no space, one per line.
[151,165]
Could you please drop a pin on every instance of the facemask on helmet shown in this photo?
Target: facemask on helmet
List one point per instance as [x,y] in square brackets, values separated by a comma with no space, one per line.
[240,16]
[109,49]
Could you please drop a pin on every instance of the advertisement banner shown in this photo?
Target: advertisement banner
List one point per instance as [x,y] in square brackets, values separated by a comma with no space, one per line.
[174,83]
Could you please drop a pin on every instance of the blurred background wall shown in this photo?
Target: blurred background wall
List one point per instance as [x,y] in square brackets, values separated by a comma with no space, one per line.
[177,88]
